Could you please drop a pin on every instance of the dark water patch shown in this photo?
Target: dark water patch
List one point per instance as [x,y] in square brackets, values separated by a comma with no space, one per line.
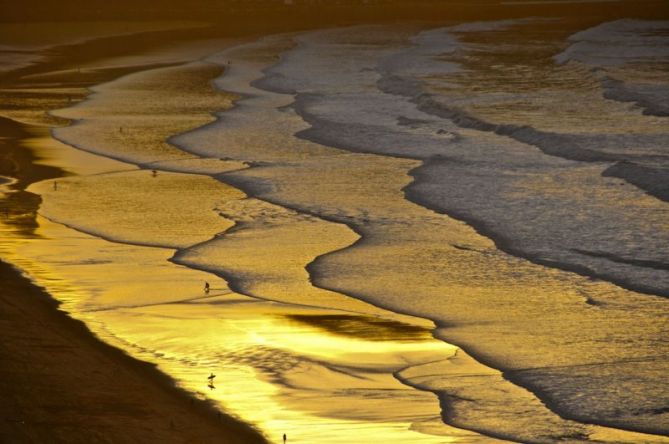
[253,186]
[18,209]
[414,123]
[593,302]
[365,327]
[17,160]
[464,248]
[88,262]
[653,179]
[273,81]
[647,263]
[399,86]
[654,100]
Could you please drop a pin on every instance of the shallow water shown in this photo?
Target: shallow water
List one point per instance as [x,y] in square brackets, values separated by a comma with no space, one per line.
[144,302]
[405,249]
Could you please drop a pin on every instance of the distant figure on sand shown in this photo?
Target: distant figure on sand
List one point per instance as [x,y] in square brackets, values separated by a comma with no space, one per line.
[284,438]
[211,377]
[206,287]
[55,185]
[154,173]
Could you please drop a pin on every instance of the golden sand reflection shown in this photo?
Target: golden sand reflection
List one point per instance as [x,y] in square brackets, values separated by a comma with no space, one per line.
[295,379]
[123,207]
[286,368]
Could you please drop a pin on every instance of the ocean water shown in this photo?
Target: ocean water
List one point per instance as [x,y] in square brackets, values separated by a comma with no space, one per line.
[509,186]
[412,233]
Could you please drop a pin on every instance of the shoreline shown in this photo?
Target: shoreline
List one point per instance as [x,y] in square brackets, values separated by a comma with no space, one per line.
[310,271]
[254,189]
[170,382]
[232,283]
[61,382]
[111,395]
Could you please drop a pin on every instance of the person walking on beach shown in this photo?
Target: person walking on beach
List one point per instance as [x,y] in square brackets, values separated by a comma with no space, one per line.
[284,438]
[206,287]
[55,185]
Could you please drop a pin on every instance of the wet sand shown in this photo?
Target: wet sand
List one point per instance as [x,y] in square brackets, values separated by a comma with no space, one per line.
[61,384]
[246,341]
[58,381]
[129,310]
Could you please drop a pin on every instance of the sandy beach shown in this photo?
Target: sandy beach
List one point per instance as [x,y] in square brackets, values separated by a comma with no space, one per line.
[403,238]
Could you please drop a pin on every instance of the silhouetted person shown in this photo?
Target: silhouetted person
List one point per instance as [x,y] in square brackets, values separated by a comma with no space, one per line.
[211,377]
[206,287]
[284,438]
[55,185]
